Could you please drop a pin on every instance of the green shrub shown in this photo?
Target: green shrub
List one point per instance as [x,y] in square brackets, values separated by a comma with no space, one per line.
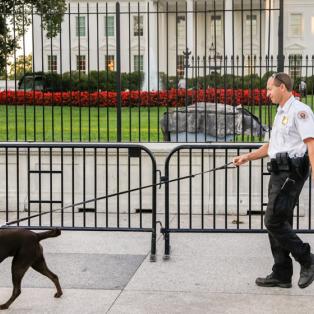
[106,81]
[102,80]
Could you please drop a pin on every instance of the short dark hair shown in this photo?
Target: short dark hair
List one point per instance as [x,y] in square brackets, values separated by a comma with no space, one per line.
[283,78]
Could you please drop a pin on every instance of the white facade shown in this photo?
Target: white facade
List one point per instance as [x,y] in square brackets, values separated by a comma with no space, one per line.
[230,27]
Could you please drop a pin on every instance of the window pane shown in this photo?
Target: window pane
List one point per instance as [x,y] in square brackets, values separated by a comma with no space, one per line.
[216,26]
[251,64]
[180,65]
[81,63]
[295,65]
[80,26]
[109,26]
[295,24]
[181,27]
[52,63]
[138,25]
[296,18]
[109,63]
[138,63]
[250,23]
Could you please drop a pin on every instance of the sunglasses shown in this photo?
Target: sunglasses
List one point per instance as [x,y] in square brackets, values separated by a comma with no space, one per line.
[276,76]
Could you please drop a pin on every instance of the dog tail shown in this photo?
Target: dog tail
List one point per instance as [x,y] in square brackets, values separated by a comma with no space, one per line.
[48,234]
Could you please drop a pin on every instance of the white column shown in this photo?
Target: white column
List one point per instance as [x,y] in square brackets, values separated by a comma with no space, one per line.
[269,18]
[151,49]
[228,27]
[228,30]
[190,31]
[38,49]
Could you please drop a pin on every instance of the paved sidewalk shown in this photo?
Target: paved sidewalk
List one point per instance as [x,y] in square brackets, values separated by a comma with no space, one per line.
[109,272]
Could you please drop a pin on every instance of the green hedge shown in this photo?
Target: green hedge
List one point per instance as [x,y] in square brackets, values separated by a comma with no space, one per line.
[219,81]
[101,80]
[79,81]
[106,81]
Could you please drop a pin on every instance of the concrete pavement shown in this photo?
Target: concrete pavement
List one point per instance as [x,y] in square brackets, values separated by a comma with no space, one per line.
[110,272]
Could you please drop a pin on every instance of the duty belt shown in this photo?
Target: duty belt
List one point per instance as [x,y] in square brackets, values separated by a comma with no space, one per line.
[283,162]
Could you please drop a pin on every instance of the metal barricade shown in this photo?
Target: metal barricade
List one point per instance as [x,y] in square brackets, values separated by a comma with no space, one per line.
[220,198]
[94,187]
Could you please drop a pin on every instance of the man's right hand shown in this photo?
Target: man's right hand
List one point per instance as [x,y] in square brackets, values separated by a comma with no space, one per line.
[240,160]
[257,154]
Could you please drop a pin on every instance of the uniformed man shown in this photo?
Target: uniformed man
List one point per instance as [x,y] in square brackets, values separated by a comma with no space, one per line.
[290,149]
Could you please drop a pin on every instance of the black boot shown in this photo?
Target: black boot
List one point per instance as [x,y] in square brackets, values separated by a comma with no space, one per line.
[272,281]
[306,274]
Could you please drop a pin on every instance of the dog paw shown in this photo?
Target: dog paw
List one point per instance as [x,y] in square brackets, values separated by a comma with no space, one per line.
[58,294]
[4,307]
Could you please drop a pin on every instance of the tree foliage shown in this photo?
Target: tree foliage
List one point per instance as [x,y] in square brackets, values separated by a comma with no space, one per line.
[22,65]
[16,16]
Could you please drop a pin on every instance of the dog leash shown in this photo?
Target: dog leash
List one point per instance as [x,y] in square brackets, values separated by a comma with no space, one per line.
[162,181]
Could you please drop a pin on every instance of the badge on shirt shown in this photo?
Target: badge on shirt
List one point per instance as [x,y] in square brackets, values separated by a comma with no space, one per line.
[284,120]
[302,115]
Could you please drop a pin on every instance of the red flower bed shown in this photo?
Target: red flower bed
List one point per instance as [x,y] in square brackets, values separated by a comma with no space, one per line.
[171,98]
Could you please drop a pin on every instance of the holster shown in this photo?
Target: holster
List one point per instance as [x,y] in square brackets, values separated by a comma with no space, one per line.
[272,166]
[280,163]
[283,162]
[297,166]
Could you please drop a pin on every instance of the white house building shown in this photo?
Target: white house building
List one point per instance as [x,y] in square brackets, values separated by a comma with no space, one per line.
[155,35]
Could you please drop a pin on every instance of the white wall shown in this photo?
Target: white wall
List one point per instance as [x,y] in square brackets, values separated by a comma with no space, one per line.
[167,37]
[8,85]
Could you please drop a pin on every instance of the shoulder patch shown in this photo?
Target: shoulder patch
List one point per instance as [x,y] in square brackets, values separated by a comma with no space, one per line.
[303,115]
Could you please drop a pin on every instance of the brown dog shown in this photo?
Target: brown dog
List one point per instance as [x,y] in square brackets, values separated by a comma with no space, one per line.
[24,246]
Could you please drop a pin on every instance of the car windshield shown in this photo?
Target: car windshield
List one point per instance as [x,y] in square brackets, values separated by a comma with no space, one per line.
[28,83]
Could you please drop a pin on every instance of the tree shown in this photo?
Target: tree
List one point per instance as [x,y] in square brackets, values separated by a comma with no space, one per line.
[23,64]
[16,16]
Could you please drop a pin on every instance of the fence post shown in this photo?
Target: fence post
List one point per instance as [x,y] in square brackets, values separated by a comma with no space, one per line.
[118,45]
[280,64]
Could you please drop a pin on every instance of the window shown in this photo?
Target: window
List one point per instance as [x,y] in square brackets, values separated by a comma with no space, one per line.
[250,24]
[181,26]
[295,65]
[52,63]
[180,65]
[81,63]
[251,64]
[312,24]
[109,63]
[109,26]
[180,19]
[80,26]
[138,25]
[216,26]
[138,63]
[296,24]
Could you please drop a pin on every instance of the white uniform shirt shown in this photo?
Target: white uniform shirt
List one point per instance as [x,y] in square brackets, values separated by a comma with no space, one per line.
[294,122]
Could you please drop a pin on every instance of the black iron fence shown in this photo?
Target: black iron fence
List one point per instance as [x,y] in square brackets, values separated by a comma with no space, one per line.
[231,199]
[113,187]
[78,187]
[107,71]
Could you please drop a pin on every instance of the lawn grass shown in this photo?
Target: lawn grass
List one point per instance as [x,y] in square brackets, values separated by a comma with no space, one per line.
[96,124]
[87,124]
[309,100]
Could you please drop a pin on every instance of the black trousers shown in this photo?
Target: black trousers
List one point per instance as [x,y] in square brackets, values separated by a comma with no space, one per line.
[278,221]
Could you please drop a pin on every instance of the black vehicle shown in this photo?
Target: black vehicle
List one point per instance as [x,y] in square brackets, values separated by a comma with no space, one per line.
[32,81]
